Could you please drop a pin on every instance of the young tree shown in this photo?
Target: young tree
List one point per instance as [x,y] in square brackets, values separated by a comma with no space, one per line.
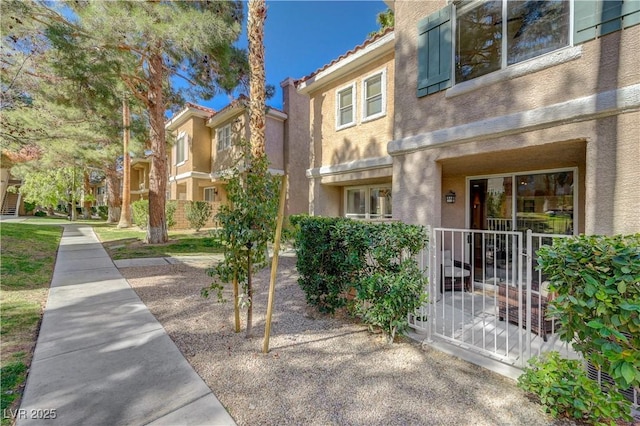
[153,42]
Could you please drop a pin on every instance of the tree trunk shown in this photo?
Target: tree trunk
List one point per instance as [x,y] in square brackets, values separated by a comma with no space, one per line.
[249,331]
[86,207]
[157,227]
[255,31]
[113,193]
[125,212]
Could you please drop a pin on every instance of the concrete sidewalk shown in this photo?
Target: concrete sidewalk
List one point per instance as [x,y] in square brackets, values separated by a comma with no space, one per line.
[102,358]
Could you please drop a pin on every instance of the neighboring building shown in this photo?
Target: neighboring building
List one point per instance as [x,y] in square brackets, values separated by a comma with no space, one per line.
[350,122]
[205,148]
[532,121]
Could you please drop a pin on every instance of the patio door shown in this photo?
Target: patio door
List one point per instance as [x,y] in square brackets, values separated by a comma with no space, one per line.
[543,202]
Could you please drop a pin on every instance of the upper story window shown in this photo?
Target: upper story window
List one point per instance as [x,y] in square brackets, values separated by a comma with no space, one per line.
[345,106]
[181,148]
[485,41]
[223,136]
[374,96]
[474,38]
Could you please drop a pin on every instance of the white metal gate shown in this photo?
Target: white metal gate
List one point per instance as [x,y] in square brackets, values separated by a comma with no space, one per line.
[485,294]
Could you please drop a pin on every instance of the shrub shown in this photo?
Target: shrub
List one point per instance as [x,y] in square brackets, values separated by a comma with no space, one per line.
[103,212]
[29,207]
[564,389]
[198,212]
[170,210]
[596,279]
[140,213]
[327,265]
[337,254]
[40,213]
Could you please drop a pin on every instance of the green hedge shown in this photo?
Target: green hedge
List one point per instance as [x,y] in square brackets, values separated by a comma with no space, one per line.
[597,280]
[336,255]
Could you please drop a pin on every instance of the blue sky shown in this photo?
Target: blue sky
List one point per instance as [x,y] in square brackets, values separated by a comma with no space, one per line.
[302,36]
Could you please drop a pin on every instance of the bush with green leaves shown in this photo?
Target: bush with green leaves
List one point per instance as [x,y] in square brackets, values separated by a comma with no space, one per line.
[328,265]
[375,259]
[103,212]
[29,206]
[140,213]
[565,390]
[597,282]
[170,213]
[198,213]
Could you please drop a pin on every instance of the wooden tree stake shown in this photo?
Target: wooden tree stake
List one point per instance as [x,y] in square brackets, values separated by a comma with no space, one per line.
[274,264]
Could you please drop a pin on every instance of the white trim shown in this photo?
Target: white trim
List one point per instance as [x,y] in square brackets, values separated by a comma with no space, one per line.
[185,148]
[351,62]
[183,116]
[226,173]
[576,192]
[598,105]
[351,166]
[530,66]
[367,200]
[383,95]
[225,115]
[188,175]
[340,126]
[220,129]
[276,114]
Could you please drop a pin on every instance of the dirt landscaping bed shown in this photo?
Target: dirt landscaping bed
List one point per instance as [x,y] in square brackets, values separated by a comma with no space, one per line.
[320,370]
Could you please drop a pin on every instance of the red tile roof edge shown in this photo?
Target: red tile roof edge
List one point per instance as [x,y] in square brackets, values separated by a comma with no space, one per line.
[361,46]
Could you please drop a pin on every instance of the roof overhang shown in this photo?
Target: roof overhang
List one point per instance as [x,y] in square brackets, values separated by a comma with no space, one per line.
[359,58]
[225,114]
[184,115]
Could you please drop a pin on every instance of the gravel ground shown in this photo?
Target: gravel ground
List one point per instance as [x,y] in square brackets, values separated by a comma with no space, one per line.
[320,370]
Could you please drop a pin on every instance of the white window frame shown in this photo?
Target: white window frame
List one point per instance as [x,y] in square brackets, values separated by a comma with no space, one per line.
[517,69]
[213,193]
[514,207]
[183,139]
[383,95]
[340,126]
[227,144]
[367,201]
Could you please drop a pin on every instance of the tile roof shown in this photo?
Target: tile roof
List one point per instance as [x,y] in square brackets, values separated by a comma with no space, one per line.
[200,107]
[364,44]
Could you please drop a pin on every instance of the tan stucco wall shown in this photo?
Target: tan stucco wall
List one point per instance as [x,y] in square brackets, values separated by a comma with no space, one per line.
[364,139]
[296,147]
[223,160]
[200,146]
[603,147]
[590,73]
[274,144]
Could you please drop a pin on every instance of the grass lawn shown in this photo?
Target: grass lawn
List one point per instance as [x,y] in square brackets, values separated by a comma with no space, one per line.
[129,243]
[28,255]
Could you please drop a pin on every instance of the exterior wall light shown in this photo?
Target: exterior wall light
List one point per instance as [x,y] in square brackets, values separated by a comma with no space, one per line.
[450,197]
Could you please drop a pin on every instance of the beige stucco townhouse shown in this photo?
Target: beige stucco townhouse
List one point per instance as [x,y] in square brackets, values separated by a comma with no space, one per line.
[205,148]
[351,110]
[527,111]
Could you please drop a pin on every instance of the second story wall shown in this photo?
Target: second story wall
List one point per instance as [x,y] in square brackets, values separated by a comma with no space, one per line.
[571,71]
[341,129]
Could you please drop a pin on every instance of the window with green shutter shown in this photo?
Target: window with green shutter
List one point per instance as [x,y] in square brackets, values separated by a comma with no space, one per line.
[434,52]
[597,18]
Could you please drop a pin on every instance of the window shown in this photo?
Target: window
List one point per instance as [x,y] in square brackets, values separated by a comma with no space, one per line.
[491,35]
[181,148]
[374,96]
[345,106]
[223,136]
[369,202]
[486,42]
[210,194]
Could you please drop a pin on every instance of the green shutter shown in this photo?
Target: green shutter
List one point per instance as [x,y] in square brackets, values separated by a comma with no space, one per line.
[630,13]
[595,18]
[434,52]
